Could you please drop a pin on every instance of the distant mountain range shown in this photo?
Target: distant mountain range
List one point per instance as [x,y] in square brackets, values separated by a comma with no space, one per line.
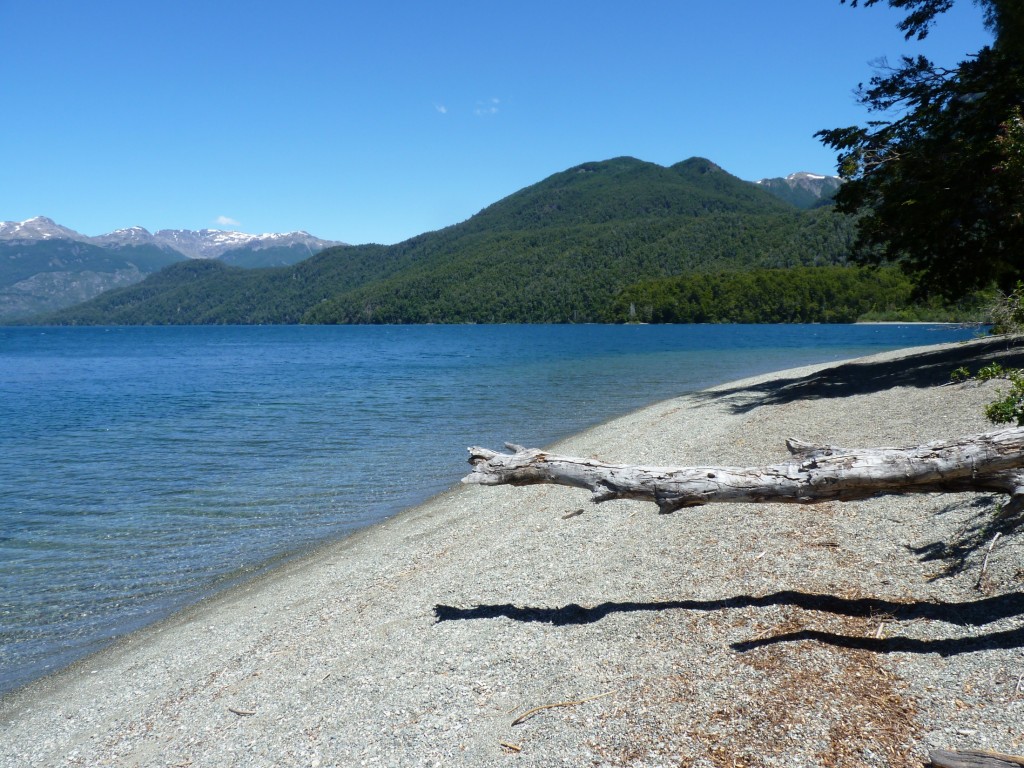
[566,249]
[45,266]
[804,190]
[204,244]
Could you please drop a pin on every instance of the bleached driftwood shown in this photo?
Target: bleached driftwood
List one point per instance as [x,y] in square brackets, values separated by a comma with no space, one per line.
[989,462]
[973,758]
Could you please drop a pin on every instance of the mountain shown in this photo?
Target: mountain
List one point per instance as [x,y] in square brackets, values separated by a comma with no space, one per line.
[216,244]
[804,190]
[129,236]
[625,189]
[204,244]
[39,228]
[560,250]
[47,273]
[45,266]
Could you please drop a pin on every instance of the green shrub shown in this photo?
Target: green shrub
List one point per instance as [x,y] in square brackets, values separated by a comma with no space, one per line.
[1010,407]
[1007,312]
[993,371]
[960,374]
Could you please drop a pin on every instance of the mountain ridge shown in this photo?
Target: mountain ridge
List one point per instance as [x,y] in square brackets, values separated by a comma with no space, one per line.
[645,190]
[45,266]
[559,250]
[803,189]
[194,244]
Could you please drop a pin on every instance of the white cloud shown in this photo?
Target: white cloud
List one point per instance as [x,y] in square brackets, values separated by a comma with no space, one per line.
[487,107]
[226,221]
[441,108]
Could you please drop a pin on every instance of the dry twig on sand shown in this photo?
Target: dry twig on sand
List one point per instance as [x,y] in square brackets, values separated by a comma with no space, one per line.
[531,712]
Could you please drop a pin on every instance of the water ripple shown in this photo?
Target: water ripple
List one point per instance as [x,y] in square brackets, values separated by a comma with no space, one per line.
[143,468]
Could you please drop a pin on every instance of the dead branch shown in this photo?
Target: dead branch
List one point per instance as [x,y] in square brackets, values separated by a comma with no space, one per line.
[973,758]
[988,462]
[531,712]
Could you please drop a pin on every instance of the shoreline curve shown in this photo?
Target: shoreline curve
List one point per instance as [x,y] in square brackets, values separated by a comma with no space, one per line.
[417,640]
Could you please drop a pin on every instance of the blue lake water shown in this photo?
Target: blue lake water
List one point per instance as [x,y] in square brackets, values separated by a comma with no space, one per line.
[142,469]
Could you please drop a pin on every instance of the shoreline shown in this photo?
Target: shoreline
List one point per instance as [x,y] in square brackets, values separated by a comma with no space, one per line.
[38,667]
[253,576]
[256,489]
[411,641]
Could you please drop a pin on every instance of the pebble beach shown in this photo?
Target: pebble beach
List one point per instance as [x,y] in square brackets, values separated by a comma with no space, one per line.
[530,627]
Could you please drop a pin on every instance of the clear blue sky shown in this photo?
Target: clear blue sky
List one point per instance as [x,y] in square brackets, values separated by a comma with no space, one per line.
[378,120]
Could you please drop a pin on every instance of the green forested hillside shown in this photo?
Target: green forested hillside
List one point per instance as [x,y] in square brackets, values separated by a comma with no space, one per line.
[206,291]
[573,274]
[42,275]
[625,189]
[273,256]
[795,295]
[563,250]
[22,260]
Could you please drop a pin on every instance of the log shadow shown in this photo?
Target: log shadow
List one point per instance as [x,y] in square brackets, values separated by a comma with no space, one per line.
[986,519]
[948,646]
[978,612]
[924,369]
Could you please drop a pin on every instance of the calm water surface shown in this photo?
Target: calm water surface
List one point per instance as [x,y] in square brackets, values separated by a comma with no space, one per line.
[144,468]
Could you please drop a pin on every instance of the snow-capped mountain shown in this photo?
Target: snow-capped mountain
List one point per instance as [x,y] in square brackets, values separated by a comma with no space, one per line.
[37,228]
[128,236]
[214,243]
[204,244]
[803,189]
[46,266]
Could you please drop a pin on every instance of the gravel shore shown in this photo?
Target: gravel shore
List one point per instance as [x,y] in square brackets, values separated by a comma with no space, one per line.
[729,635]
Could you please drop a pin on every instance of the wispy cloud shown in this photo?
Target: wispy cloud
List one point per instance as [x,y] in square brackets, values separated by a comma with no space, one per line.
[441,108]
[226,221]
[487,107]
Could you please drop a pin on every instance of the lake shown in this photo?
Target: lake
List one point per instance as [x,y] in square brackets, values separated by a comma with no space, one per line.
[143,469]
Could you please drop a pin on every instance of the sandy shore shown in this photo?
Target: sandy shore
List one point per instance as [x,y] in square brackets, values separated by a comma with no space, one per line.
[729,635]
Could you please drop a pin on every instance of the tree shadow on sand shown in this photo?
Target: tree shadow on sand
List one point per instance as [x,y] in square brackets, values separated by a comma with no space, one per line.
[923,369]
[986,520]
[968,613]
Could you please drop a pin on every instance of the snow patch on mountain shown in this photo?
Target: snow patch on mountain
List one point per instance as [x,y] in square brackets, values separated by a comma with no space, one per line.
[127,236]
[803,189]
[204,244]
[212,243]
[37,228]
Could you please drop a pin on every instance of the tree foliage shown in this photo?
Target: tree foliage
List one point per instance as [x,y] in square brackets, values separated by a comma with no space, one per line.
[836,294]
[573,273]
[920,13]
[938,178]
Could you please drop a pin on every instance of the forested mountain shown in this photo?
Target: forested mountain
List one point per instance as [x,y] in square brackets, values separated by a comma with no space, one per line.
[832,294]
[563,250]
[625,189]
[44,275]
[804,190]
[45,266]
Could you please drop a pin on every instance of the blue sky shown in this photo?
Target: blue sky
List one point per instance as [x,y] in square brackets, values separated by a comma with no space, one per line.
[376,121]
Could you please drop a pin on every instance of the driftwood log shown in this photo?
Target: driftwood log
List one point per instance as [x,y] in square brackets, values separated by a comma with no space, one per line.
[973,758]
[988,462]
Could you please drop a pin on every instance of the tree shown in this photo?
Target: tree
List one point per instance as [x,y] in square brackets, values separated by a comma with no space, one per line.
[938,179]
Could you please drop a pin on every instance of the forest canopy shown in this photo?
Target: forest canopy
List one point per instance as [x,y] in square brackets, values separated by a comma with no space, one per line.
[937,177]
